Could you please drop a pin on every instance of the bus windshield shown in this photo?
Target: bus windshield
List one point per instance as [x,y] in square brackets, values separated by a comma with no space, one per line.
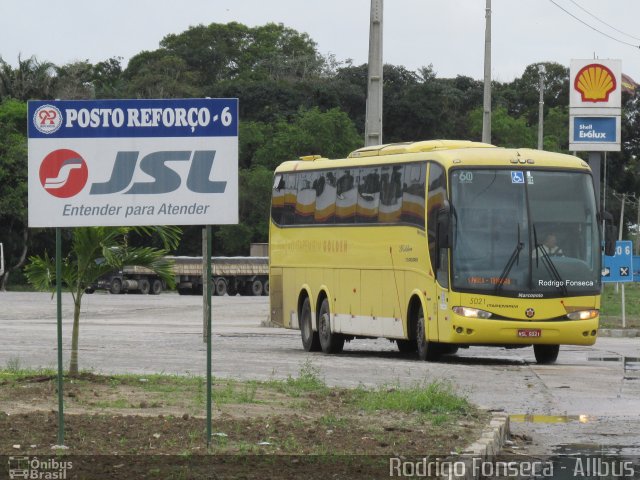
[524,233]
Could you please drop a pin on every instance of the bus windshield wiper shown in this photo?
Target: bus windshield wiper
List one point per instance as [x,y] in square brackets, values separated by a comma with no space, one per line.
[513,259]
[547,262]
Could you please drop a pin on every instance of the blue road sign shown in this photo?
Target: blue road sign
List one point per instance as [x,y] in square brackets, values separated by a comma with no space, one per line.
[619,267]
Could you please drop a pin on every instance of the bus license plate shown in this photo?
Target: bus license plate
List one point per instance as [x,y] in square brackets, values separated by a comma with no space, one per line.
[529,333]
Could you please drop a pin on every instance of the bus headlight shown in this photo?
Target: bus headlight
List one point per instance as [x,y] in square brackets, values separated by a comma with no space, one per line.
[583,315]
[471,312]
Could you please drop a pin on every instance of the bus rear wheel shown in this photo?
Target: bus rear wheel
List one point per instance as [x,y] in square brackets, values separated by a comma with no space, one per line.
[330,342]
[546,353]
[310,339]
[426,350]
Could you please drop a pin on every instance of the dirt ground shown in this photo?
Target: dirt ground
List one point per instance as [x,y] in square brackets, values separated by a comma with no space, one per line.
[116,427]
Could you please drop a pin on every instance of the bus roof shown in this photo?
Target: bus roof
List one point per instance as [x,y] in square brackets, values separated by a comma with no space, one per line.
[447,152]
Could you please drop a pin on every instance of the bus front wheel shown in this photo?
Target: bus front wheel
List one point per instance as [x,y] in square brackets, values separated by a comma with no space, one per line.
[546,353]
[310,339]
[330,342]
[426,350]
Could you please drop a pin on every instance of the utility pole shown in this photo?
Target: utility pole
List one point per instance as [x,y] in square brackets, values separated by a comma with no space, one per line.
[486,116]
[541,72]
[373,119]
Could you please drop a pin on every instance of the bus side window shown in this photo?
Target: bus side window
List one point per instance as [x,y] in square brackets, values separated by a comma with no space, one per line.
[413,191]
[325,187]
[368,195]
[435,201]
[289,202]
[390,209]
[277,199]
[346,195]
[306,198]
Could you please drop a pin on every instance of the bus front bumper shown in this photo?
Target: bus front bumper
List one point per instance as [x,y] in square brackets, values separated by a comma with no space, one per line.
[475,331]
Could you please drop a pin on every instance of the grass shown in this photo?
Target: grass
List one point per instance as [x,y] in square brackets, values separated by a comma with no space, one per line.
[287,424]
[611,306]
[435,401]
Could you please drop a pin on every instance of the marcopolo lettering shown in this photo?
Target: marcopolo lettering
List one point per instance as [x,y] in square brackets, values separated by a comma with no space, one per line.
[166,179]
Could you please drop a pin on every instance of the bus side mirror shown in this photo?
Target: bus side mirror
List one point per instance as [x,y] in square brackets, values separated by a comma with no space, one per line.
[610,234]
[443,226]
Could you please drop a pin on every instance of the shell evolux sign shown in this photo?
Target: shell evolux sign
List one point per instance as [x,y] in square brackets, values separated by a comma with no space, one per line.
[133,162]
[595,101]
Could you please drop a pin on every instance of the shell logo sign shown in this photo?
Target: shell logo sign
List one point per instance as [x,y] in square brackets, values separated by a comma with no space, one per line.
[595,82]
[595,105]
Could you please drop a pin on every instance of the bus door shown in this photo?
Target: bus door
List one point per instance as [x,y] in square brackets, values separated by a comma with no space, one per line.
[438,291]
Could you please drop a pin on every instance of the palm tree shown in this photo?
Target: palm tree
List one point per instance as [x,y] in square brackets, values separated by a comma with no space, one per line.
[31,79]
[96,251]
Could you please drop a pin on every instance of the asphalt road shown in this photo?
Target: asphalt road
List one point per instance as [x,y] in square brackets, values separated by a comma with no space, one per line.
[591,395]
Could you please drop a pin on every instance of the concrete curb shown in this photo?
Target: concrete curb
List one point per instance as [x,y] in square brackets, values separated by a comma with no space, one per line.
[491,440]
[619,332]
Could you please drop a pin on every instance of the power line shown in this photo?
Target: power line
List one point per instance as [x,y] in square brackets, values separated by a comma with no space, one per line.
[602,21]
[592,27]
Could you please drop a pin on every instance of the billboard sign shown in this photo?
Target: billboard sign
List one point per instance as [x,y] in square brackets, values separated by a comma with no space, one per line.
[133,162]
[595,105]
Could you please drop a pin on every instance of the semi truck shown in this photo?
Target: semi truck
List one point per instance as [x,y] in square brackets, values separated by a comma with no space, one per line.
[230,275]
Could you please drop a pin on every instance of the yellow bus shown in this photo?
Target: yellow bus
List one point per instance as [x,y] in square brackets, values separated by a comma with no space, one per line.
[437,245]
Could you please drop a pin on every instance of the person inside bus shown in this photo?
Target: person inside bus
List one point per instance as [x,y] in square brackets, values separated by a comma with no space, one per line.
[550,245]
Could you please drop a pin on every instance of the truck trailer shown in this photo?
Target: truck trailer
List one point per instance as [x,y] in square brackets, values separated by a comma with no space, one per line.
[230,275]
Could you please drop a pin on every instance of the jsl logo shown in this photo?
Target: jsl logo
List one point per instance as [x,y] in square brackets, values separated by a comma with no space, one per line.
[165,179]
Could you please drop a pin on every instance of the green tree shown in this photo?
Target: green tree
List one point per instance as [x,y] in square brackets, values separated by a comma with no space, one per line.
[14,233]
[312,132]
[96,251]
[161,74]
[506,131]
[32,79]
[75,81]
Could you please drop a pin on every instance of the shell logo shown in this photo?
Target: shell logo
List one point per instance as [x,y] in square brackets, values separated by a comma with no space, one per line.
[595,82]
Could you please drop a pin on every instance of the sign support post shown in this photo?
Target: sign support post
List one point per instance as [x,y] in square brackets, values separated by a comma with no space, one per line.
[59,323]
[208,308]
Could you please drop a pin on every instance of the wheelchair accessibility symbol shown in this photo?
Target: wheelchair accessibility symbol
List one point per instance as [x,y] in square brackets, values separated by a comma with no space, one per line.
[517,177]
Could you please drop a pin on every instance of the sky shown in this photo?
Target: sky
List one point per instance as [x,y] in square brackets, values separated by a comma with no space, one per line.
[447,34]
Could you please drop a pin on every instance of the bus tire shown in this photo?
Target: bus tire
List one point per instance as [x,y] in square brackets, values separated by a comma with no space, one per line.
[143,286]
[156,287]
[546,353]
[116,286]
[406,346]
[427,351]
[330,342]
[310,339]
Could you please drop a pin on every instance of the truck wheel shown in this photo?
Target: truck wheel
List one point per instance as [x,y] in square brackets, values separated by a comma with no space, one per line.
[89,290]
[156,287]
[116,286]
[143,286]
[220,287]
[256,288]
[265,287]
